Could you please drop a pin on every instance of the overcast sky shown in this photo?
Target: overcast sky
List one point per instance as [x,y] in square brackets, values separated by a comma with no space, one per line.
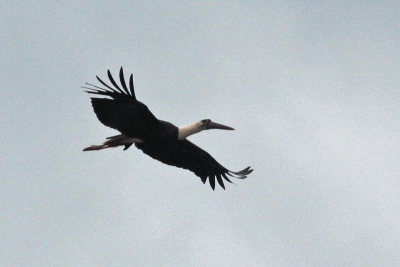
[311,87]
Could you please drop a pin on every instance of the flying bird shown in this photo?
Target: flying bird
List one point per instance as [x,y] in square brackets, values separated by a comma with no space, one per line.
[159,139]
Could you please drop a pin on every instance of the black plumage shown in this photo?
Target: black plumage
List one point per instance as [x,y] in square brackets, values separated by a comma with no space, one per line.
[156,138]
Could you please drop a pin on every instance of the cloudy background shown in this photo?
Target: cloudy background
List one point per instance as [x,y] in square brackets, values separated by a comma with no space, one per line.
[311,87]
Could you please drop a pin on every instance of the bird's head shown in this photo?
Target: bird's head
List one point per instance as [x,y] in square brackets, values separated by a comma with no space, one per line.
[188,130]
[208,124]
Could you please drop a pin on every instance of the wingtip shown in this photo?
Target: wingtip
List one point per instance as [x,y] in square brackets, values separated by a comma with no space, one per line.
[240,174]
[211,179]
[220,181]
[113,91]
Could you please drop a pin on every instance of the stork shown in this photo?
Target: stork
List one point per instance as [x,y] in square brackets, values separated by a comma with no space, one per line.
[159,139]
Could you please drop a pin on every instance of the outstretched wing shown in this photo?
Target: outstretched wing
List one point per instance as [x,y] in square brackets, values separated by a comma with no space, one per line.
[184,154]
[122,112]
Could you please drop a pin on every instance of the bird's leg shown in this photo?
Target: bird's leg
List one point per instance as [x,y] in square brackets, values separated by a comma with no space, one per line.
[115,141]
[95,147]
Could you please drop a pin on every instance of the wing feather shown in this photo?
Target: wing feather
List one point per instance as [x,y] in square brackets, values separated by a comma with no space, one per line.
[184,154]
[132,87]
[219,179]
[110,77]
[122,79]
[123,112]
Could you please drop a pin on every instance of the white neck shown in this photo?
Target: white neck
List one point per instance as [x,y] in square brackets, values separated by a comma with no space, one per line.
[188,130]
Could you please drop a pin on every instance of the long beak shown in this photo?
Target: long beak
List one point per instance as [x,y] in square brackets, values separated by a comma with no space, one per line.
[214,125]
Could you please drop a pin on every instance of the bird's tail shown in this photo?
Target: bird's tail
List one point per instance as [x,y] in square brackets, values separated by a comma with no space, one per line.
[115,141]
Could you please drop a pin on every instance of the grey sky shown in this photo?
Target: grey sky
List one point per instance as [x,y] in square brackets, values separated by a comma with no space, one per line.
[311,87]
